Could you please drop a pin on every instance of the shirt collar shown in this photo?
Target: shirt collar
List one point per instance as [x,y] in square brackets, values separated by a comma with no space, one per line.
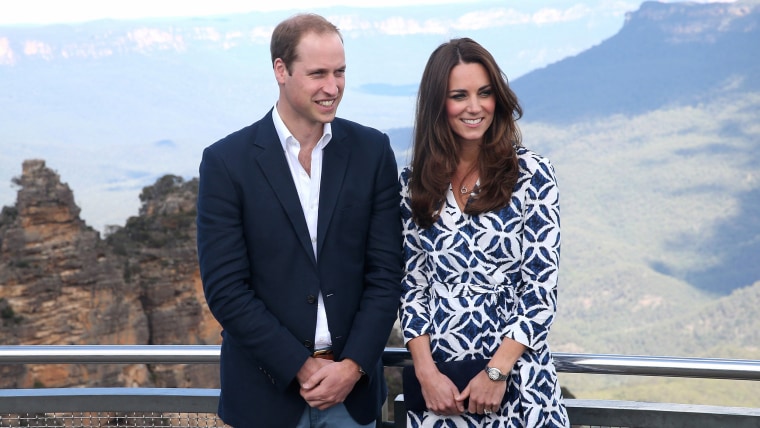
[285,135]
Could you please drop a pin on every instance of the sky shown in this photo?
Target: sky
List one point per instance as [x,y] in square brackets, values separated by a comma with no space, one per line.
[56,11]
[555,29]
[14,12]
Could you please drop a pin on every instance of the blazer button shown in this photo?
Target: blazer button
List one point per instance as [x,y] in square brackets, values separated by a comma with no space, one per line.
[311,299]
[308,343]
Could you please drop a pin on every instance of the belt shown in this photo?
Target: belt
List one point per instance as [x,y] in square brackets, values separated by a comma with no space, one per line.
[325,354]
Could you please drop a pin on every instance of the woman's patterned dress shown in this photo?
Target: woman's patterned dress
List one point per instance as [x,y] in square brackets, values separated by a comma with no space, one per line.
[471,280]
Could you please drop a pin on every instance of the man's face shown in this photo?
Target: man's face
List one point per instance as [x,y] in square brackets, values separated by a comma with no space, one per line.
[311,92]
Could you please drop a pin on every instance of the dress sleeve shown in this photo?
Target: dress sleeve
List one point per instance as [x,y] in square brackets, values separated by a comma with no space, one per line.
[414,310]
[537,292]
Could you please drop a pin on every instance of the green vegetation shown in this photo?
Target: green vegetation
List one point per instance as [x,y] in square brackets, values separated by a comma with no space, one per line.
[167,185]
[715,392]
[8,215]
[167,216]
[8,315]
[661,243]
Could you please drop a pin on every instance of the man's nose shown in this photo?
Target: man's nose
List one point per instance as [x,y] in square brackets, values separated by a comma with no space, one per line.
[331,86]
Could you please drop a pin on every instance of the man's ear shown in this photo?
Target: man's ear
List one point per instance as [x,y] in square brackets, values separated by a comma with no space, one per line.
[280,70]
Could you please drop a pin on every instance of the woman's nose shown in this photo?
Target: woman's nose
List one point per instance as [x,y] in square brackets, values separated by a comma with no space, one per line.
[474,105]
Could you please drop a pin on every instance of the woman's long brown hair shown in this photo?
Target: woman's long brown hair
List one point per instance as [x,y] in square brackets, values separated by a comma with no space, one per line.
[435,150]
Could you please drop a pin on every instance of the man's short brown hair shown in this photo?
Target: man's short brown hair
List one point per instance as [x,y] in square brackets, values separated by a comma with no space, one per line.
[289,32]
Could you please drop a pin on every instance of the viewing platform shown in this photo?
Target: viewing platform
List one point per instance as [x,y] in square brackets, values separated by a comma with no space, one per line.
[196,407]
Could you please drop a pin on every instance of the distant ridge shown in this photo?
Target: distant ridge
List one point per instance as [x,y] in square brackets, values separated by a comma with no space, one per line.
[665,54]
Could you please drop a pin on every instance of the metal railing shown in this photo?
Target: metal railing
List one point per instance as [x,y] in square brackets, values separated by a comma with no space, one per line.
[200,400]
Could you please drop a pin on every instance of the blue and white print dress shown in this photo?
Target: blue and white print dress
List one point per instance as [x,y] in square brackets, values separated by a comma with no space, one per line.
[469,281]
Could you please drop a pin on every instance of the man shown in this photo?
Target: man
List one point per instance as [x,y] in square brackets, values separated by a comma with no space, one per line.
[299,247]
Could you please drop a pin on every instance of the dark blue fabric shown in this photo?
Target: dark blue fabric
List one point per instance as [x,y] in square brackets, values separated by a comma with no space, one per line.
[260,275]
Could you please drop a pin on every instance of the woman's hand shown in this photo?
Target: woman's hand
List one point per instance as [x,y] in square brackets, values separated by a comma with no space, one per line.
[438,390]
[485,395]
[440,393]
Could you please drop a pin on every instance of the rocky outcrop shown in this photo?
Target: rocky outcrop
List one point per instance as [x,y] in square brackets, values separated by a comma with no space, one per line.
[61,283]
[160,259]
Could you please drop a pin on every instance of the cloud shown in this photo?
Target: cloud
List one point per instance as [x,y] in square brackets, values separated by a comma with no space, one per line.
[165,143]
[477,20]
[398,26]
[7,56]
[553,16]
[491,18]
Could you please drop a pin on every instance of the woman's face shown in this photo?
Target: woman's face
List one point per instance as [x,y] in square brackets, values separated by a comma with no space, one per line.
[470,102]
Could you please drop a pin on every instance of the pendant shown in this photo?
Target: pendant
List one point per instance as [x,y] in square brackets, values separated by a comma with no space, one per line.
[463,190]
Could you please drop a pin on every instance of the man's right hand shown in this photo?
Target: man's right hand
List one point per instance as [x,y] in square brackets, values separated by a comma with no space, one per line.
[331,384]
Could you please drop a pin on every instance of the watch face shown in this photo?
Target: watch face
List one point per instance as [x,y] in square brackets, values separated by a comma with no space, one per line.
[493,373]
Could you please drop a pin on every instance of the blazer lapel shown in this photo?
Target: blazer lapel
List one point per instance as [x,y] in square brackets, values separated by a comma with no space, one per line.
[275,167]
[334,166]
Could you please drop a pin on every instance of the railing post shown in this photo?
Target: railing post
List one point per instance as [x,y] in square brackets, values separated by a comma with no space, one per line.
[399,412]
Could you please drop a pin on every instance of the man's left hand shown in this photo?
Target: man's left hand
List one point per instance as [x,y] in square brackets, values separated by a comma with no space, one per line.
[331,384]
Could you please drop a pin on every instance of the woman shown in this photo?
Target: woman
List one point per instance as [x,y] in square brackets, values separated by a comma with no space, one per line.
[481,250]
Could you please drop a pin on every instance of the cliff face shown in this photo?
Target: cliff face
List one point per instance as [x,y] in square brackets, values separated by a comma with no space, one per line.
[60,283]
[160,260]
[693,23]
[666,54]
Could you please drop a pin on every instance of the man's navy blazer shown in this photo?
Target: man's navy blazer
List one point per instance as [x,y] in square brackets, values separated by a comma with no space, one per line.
[261,277]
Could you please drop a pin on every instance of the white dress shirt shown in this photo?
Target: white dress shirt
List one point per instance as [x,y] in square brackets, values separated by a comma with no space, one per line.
[308,192]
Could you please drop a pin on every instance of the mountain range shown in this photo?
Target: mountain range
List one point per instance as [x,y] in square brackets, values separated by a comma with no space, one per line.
[689,75]
[137,99]
[654,134]
[665,54]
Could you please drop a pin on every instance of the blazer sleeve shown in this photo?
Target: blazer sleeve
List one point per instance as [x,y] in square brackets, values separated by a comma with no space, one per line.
[382,278]
[225,272]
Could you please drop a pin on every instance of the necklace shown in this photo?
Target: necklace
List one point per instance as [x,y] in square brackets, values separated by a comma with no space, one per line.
[464,190]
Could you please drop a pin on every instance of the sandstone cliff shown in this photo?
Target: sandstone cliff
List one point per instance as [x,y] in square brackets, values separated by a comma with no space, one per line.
[61,283]
[160,260]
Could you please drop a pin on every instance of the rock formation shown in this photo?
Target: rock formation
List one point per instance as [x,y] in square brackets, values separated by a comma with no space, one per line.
[160,259]
[60,283]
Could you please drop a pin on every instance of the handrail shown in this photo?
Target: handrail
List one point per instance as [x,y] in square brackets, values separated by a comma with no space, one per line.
[708,368]
[123,399]
[110,354]
[204,401]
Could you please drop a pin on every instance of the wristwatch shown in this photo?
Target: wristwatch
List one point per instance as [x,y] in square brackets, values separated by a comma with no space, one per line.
[495,374]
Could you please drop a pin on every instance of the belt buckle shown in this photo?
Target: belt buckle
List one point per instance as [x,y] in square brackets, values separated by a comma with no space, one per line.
[325,353]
